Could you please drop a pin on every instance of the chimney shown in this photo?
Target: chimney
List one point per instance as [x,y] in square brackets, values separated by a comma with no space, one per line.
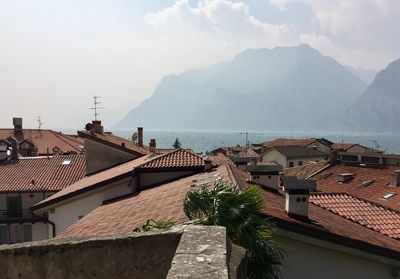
[14,148]
[345,177]
[140,136]
[266,175]
[96,126]
[395,178]
[17,122]
[297,192]
[152,146]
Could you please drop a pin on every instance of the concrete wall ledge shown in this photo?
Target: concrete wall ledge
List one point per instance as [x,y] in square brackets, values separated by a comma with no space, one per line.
[181,252]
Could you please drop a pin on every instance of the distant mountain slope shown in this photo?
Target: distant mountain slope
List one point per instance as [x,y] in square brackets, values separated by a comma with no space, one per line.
[280,89]
[378,108]
[367,76]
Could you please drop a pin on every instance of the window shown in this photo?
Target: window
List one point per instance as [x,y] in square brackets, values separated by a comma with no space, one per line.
[13,207]
[4,235]
[300,163]
[291,164]
[367,182]
[66,162]
[27,232]
[388,196]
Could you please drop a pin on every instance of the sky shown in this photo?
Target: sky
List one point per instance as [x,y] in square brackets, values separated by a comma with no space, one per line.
[56,55]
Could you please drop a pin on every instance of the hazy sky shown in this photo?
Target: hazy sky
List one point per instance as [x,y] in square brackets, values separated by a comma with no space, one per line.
[56,54]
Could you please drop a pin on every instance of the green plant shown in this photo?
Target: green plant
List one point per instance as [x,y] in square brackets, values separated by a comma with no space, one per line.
[152,225]
[177,144]
[239,212]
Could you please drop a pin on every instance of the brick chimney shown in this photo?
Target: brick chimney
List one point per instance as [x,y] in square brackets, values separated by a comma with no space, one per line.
[152,146]
[96,126]
[140,136]
[395,178]
[297,192]
[17,122]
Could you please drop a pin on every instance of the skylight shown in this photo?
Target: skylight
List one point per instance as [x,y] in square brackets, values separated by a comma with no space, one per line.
[66,162]
[368,182]
[388,196]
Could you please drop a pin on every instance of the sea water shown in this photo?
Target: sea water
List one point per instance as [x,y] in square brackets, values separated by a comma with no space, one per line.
[204,141]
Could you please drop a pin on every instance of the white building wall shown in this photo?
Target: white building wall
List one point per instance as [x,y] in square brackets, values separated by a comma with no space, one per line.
[298,161]
[305,260]
[274,156]
[64,214]
[270,180]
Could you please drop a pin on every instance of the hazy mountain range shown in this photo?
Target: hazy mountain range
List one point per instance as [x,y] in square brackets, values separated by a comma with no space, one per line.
[280,89]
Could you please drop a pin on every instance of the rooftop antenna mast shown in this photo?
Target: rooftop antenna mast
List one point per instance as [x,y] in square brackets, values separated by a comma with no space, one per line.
[40,123]
[96,102]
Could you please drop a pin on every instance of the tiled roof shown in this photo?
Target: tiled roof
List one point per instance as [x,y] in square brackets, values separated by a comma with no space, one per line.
[330,226]
[341,146]
[178,158]
[115,141]
[92,181]
[167,150]
[220,159]
[292,151]
[166,202]
[288,142]
[304,171]
[37,174]
[158,203]
[249,153]
[46,140]
[370,215]
[327,181]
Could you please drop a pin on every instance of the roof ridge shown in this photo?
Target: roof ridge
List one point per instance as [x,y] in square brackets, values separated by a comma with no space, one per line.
[320,170]
[56,134]
[167,154]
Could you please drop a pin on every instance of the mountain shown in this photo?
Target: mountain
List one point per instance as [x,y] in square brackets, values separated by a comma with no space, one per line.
[280,89]
[366,75]
[377,110]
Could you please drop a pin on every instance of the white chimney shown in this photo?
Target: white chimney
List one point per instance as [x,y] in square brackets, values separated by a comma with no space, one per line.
[266,175]
[297,192]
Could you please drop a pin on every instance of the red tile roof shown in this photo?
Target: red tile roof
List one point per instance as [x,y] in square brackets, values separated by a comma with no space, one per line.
[178,158]
[115,141]
[158,203]
[288,142]
[367,214]
[38,174]
[166,202]
[342,146]
[46,140]
[327,181]
[332,227]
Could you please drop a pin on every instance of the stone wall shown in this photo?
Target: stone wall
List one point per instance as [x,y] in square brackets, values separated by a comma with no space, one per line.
[182,252]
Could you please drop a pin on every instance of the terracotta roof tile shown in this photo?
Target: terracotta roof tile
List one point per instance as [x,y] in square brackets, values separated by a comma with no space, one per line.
[158,203]
[37,174]
[178,158]
[166,202]
[327,181]
[289,142]
[115,141]
[367,214]
[46,140]
[304,171]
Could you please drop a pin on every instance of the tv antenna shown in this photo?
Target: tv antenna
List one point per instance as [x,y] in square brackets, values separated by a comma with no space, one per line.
[375,142]
[40,123]
[96,102]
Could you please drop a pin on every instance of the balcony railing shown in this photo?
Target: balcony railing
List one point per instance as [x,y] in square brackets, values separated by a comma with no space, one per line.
[21,215]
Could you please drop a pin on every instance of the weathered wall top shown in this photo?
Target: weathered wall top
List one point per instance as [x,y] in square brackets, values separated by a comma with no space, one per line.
[182,252]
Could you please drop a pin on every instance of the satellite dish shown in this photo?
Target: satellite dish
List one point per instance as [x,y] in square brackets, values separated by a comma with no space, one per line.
[134,137]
